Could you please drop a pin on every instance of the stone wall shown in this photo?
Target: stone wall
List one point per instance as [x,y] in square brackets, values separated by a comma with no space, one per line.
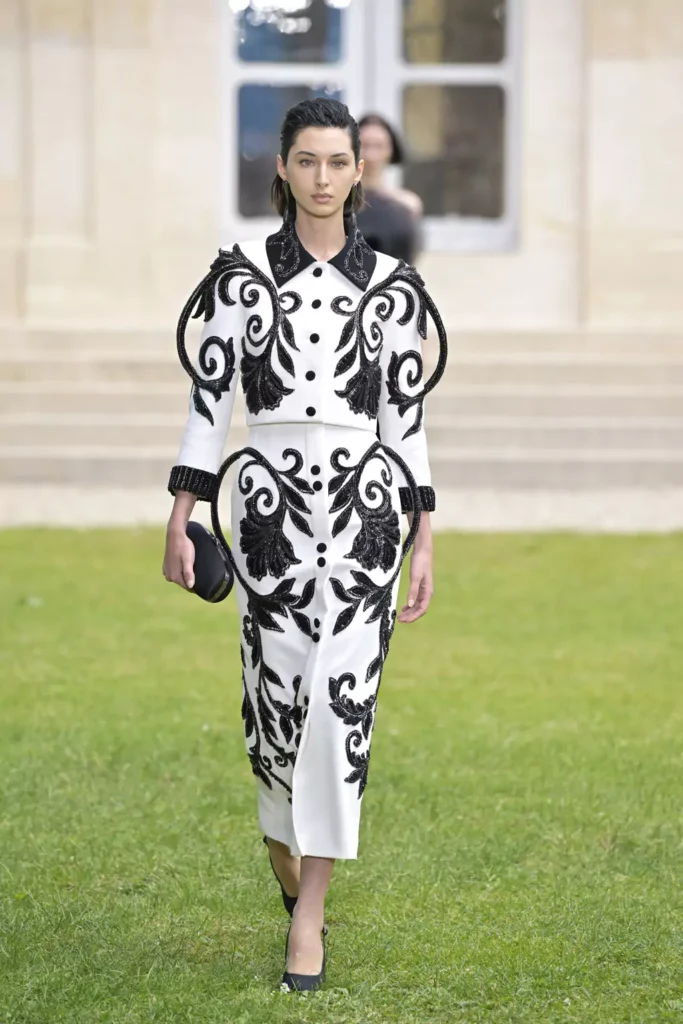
[111,173]
[634,158]
[109,169]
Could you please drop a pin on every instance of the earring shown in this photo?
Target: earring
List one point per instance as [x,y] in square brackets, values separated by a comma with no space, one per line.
[354,193]
[288,195]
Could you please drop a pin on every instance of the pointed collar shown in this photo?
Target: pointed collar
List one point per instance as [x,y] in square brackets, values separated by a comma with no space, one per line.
[287,257]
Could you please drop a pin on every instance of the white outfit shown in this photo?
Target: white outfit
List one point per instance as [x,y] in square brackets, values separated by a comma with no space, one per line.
[329,361]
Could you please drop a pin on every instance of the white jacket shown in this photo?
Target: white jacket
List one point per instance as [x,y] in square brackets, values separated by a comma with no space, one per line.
[310,342]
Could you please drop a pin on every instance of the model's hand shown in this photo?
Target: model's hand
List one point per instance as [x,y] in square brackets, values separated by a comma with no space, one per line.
[178,564]
[421,586]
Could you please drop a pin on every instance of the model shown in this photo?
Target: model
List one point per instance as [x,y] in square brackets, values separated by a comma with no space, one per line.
[324,336]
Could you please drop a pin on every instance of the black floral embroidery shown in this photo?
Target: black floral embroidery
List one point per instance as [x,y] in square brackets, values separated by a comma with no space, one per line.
[213,378]
[379,537]
[272,720]
[348,710]
[269,721]
[360,762]
[285,252]
[261,381]
[361,716]
[208,364]
[378,598]
[358,259]
[262,385]
[288,257]
[361,348]
[375,598]
[362,389]
[399,398]
[262,538]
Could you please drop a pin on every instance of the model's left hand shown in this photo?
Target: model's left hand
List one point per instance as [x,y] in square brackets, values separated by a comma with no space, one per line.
[421,586]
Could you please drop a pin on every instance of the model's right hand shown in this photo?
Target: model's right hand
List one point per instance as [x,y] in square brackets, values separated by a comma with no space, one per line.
[178,564]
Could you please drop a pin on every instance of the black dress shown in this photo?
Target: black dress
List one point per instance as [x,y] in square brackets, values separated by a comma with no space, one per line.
[388,226]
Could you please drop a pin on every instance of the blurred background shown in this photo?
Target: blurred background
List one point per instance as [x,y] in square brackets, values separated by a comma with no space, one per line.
[544,139]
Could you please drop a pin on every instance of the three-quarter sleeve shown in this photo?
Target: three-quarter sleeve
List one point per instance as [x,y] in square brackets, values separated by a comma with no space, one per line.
[215,380]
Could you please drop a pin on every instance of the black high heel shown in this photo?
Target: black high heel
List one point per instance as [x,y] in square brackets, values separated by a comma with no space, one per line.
[289,901]
[303,982]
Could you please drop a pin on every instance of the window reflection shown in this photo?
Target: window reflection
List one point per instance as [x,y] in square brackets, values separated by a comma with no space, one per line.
[454,31]
[261,112]
[302,31]
[456,159]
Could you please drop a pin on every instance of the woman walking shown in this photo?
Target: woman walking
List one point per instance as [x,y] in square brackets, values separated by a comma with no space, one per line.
[324,335]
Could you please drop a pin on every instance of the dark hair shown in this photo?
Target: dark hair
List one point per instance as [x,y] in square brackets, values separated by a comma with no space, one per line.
[397,154]
[316,113]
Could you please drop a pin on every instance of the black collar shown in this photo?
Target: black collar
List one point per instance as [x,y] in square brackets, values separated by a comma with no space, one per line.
[287,257]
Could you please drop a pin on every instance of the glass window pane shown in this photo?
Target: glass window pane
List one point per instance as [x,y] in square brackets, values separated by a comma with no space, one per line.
[454,31]
[455,135]
[301,31]
[261,111]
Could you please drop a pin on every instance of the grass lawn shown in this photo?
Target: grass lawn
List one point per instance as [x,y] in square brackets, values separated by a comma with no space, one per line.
[522,837]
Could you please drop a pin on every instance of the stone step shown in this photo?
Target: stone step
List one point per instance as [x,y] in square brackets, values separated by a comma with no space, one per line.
[460,469]
[171,398]
[548,371]
[160,340]
[532,434]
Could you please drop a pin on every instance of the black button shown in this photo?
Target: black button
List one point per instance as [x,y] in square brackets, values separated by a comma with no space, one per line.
[310,411]
[315,470]
[310,375]
[322,547]
[316,303]
[318,272]
[315,637]
[316,622]
[315,338]
[317,486]
[321,562]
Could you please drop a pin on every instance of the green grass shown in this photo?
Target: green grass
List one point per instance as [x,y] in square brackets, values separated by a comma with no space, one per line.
[522,836]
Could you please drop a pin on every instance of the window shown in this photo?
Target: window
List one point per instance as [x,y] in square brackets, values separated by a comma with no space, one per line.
[448,78]
[454,32]
[443,71]
[302,32]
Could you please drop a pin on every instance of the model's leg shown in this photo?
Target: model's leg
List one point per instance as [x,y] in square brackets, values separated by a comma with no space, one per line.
[287,868]
[305,942]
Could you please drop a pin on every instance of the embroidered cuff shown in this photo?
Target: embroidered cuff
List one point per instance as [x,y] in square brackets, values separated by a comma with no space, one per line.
[196,481]
[427,499]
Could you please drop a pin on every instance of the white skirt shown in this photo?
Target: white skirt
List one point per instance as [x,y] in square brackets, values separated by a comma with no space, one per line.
[316,528]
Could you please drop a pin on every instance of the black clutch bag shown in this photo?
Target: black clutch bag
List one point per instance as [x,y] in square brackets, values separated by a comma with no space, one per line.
[213,575]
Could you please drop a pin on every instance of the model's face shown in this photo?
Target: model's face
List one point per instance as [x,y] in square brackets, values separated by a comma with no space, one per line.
[376,146]
[321,170]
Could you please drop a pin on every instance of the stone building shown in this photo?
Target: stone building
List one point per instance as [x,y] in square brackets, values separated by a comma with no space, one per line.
[546,137]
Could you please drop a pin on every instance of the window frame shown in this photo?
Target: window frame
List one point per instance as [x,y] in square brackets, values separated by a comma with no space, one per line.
[370,27]
[452,232]
[347,74]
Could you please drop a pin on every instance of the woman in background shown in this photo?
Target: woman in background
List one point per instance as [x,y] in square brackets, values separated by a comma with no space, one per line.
[391,220]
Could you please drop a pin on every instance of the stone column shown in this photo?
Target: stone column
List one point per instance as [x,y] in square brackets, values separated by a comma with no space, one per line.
[634,235]
[188,170]
[12,161]
[57,130]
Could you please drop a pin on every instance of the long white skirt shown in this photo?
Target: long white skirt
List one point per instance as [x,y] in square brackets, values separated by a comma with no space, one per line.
[316,527]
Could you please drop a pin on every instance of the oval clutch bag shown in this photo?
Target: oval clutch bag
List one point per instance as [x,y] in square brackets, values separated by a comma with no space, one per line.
[213,575]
